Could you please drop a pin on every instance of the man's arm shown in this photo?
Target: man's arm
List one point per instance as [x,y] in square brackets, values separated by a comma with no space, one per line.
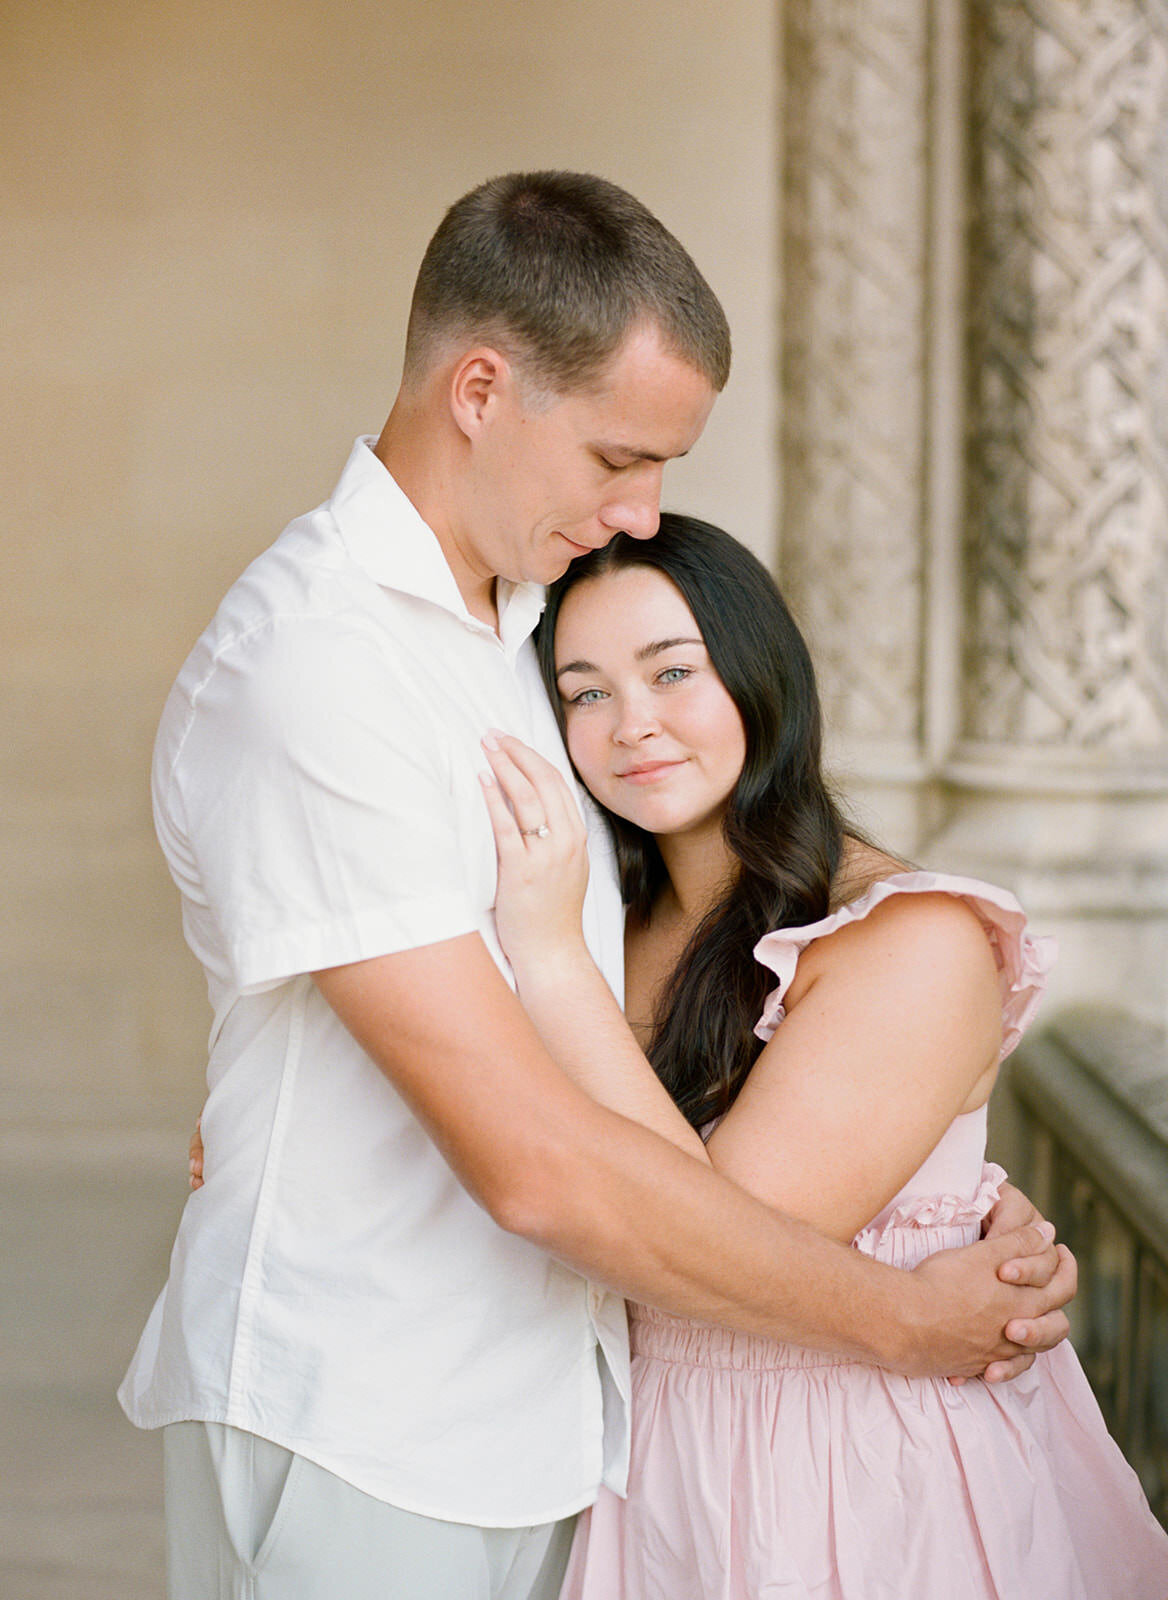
[627,1208]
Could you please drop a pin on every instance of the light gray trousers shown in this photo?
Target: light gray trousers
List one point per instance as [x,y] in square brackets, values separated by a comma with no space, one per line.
[249,1520]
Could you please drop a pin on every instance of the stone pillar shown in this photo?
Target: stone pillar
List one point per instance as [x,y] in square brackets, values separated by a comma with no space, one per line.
[854,381]
[1058,779]
[975,444]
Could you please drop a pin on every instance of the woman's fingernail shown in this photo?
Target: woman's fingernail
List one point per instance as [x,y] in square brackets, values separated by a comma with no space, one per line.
[1047,1230]
[491,739]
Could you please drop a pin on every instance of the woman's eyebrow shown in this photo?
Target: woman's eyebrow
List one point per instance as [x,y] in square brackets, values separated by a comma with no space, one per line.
[659,645]
[643,654]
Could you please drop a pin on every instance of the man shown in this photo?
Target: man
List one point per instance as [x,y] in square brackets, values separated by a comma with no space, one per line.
[383,1360]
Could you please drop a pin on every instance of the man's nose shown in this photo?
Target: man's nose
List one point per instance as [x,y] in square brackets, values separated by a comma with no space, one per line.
[637,512]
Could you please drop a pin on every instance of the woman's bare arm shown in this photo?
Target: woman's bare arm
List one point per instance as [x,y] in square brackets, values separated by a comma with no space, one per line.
[893,1028]
[541,891]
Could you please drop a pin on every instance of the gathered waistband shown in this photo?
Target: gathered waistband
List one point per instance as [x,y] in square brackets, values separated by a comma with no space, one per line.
[661,1337]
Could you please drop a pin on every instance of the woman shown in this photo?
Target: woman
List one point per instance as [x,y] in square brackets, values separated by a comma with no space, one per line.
[828,1025]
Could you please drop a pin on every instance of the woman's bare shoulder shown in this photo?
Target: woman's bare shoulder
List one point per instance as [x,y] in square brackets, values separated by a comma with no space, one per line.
[910,934]
[862,865]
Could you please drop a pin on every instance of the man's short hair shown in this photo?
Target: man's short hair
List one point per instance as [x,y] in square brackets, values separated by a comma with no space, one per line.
[557,268]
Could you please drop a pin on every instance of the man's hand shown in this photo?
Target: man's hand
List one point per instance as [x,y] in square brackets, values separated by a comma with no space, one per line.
[195,1152]
[968,1323]
[1013,1211]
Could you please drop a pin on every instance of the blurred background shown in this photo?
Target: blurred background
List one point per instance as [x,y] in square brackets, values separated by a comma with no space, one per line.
[940,231]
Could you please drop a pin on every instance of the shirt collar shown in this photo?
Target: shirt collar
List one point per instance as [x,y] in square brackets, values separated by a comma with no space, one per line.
[386,535]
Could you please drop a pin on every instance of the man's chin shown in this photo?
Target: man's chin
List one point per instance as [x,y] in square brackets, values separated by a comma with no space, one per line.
[575,551]
[557,556]
[557,564]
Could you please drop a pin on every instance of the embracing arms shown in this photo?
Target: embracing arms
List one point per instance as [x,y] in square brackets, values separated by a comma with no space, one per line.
[629,1209]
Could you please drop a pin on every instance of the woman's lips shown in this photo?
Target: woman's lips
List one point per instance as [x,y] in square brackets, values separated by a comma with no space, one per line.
[647,773]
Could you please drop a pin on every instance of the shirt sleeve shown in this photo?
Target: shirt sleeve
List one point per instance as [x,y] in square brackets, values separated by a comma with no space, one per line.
[317,805]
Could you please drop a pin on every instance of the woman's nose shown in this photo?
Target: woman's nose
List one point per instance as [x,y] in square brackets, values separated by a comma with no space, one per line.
[636,722]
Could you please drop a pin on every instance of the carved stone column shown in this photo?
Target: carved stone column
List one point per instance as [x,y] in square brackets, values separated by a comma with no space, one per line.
[854,381]
[975,443]
[1059,777]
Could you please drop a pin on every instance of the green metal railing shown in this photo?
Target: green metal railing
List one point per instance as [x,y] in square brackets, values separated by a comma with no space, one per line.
[1092,1137]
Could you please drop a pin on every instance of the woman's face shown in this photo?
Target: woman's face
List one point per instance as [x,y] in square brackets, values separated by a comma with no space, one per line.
[650,726]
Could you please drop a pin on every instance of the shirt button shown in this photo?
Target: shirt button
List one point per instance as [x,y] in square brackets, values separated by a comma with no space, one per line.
[594,1300]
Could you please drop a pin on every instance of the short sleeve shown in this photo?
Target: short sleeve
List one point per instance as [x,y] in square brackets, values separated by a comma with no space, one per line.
[1023,959]
[316,802]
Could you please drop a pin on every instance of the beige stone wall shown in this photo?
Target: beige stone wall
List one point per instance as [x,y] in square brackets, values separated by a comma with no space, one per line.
[211,218]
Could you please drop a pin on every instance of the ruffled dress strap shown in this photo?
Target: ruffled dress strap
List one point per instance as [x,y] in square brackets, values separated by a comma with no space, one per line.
[1023,959]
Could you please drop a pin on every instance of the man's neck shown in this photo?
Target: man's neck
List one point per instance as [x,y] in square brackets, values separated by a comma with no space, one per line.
[421,473]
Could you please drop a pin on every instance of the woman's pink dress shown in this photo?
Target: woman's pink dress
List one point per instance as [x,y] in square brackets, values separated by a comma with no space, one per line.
[764,1471]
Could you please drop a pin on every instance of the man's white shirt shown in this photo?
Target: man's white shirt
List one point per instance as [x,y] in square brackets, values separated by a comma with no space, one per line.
[333,1287]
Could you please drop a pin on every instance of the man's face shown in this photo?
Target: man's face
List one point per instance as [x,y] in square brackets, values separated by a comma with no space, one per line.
[556,480]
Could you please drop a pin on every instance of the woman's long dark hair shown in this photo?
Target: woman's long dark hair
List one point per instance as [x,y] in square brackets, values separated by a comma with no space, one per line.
[782,823]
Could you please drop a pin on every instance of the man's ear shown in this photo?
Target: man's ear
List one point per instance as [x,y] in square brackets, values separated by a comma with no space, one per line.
[481,380]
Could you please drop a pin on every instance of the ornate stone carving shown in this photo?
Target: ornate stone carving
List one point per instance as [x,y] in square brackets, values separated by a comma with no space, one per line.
[1067,541]
[855,197]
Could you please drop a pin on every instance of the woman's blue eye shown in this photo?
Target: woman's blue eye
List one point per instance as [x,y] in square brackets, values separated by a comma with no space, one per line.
[586,697]
[673,675]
